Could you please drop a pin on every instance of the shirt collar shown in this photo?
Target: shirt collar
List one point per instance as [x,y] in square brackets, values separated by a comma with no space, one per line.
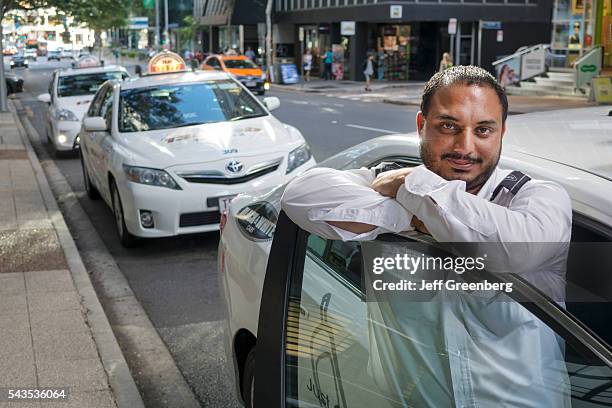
[494,179]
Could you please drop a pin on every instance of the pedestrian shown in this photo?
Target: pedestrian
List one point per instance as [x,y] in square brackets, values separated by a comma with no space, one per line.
[328,58]
[368,71]
[446,62]
[460,196]
[380,63]
[250,54]
[307,64]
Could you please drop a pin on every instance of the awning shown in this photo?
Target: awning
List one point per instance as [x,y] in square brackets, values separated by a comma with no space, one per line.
[214,12]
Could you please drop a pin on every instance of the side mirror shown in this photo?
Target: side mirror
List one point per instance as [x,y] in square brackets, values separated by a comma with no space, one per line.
[138,70]
[271,102]
[95,124]
[46,98]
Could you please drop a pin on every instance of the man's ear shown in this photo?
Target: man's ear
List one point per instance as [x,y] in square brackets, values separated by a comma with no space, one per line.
[420,122]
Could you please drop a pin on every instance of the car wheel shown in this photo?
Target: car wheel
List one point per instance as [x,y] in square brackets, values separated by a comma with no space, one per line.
[92,191]
[9,88]
[248,380]
[127,240]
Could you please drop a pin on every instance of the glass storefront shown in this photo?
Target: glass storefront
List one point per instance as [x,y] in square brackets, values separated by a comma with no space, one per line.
[573,30]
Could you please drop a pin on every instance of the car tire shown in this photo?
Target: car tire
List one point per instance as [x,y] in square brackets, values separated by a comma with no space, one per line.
[92,191]
[248,379]
[9,88]
[126,239]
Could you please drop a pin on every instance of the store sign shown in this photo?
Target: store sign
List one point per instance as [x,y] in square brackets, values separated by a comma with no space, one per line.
[500,35]
[347,28]
[491,25]
[166,61]
[452,26]
[395,11]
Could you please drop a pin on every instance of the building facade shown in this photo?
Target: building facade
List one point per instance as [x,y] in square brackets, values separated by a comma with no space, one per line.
[409,36]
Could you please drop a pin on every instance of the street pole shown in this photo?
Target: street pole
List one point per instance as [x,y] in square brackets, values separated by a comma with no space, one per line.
[156,24]
[269,38]
[3,95]
[479,40]
[166,39]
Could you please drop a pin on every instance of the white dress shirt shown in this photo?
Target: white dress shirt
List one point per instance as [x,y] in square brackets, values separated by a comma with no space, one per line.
[494,351]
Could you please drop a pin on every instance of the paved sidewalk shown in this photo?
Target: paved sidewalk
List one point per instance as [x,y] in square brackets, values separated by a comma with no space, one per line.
[52,332]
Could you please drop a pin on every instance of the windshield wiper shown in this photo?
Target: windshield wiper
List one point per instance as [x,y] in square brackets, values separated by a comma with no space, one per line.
[253,115]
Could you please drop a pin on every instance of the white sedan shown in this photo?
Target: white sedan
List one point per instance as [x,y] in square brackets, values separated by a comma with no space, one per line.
[168,151]
[70,93]
[570,147]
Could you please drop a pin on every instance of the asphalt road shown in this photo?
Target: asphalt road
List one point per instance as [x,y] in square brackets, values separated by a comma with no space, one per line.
[175,279]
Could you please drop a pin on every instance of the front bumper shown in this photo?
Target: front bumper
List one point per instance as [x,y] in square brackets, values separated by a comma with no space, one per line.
[253,84]
[64,133]
[193,209]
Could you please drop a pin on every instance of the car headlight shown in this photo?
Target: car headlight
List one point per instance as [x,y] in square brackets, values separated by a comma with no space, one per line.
[263,76]
[150,177]
[12,62]
[297,157]
[65,114]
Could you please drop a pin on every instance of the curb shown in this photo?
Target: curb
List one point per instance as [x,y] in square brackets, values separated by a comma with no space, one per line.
[120,379]
[399,102]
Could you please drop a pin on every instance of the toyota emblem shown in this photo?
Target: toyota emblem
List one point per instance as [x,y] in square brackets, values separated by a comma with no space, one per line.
[234,166]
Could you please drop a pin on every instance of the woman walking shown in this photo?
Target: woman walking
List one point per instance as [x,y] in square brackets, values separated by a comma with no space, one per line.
[446,62]
[368,71]
[307,62]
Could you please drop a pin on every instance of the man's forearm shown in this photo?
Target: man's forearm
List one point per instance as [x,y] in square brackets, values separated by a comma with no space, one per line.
[354,227]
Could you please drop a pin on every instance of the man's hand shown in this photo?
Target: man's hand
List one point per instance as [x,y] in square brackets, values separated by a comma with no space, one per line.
[389,182]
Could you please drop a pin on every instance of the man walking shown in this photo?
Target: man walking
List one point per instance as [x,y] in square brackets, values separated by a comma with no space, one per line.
[327,60]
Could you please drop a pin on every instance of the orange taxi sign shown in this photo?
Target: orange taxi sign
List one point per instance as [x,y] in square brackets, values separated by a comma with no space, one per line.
[165,62]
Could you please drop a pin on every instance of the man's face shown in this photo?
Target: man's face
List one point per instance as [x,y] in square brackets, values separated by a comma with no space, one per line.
[461,137]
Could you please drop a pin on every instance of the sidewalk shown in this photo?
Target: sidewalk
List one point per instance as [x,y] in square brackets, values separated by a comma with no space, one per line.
[53,331]
[409,93]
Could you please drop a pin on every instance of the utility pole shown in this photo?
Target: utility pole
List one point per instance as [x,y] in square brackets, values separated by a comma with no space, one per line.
[157,24]
[269,38]
[166,37]
[3,95]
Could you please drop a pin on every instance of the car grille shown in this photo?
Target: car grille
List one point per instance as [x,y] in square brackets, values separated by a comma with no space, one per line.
[216,177]
[199,218]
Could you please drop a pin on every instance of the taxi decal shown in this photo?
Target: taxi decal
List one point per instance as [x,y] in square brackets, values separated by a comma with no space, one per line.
[246,130]
[166,62]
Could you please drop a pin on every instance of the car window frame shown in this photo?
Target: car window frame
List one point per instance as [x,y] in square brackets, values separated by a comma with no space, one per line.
[288,250]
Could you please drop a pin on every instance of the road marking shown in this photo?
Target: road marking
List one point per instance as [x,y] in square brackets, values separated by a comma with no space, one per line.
[371,128]
[300,102]
[334,121]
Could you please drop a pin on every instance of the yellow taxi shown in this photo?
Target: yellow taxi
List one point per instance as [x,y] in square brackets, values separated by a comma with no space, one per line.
[241,68]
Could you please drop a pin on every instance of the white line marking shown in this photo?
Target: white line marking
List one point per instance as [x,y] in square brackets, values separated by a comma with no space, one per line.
[371,128]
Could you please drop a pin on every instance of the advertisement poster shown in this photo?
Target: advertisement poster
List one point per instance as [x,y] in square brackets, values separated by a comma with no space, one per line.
[338,62]
[509,72]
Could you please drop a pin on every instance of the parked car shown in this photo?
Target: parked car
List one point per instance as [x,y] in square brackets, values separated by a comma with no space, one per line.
[70,92]
[168,151]
[14,83]
[54,55]
[31,53]
[299,303]
[241,68]
[18,61]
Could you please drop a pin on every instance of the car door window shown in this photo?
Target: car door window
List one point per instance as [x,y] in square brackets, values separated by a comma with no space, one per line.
[106,108]
[213,62]
[348,345]
[94,108]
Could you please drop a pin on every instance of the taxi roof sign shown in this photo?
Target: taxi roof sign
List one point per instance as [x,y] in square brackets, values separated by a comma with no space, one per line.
[166,62]
[87,61]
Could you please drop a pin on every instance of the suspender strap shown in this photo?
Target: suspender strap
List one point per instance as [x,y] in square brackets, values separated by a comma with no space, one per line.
[386,166]
[513,183]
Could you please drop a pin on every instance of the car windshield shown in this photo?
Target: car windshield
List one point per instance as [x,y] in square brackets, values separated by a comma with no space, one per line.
[85,84]
[172,106]
[239,64]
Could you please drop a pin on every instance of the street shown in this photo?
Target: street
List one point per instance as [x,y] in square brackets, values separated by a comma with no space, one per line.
[175,279]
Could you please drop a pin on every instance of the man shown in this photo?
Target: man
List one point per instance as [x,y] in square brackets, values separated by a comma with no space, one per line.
[328,58]
[458,195]
[250,54]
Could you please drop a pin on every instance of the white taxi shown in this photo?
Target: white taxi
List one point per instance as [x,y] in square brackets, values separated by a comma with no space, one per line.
[69,96]
[167,151]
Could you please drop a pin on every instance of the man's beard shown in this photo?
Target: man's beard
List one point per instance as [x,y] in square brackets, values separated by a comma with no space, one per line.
[473,185]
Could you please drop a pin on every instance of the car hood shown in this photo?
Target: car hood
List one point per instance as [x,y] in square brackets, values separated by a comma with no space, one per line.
[77,104]
[210,142]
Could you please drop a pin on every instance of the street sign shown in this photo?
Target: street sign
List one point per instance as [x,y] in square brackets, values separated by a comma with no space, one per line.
[452,26]
[138,23]
[347,28]
[148,4]
[602,88]
[395,11]
[500,35]
[301,33]
[491,25]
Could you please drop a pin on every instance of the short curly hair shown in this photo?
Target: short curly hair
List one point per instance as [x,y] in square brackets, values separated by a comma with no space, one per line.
[463,75]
